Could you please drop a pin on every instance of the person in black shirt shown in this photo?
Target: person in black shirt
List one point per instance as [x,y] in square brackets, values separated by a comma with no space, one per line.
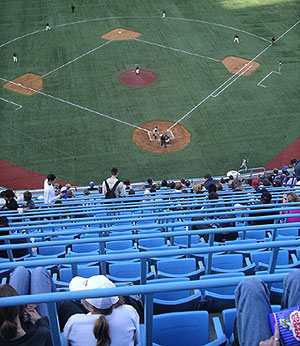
[73,8]
[273,40]
[10,202]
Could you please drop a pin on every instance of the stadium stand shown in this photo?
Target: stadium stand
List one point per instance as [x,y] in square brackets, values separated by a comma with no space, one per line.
[170,249]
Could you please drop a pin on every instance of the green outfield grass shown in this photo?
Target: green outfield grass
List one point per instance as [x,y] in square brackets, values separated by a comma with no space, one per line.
[50,135]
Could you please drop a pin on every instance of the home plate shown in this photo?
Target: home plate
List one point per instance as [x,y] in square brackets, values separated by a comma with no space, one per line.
[120,32]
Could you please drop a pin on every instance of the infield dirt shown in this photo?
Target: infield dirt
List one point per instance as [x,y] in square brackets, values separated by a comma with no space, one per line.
[235,64]
[27,84]
[181,134]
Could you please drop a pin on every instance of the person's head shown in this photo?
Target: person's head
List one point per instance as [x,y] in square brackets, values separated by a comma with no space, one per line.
[126,182]
[131,192]
[275,171]
[187,183]
[27,196]
[178,186]
[197,188]
[265,198]
[277,184]
[266,182]
[207,176]
[152,189]
[293,162]
[293,197]
[212,188]
[103,306]
[213,195]
[172,185]
[114,171]
[164,183]
[9,195]
[182,180]
[51,178]
[91,184]
[70,193]
[9,315]
[255,183]
[86,192]
[149,181]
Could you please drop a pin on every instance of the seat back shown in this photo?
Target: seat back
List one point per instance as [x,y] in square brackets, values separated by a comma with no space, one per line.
[228,261]
[226,290]
[181,328]
[65,274]
[51,250]
[177,266]
[183,240]
[264,257]
[171,295]
[288,232]
[118,245]
[125,270]
[152,242]
[85,247]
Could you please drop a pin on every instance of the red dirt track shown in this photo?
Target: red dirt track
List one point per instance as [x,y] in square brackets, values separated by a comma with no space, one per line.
[284,157]
[18,178]
[142,79]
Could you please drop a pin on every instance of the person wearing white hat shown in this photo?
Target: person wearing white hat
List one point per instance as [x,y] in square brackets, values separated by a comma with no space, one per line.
[108,321]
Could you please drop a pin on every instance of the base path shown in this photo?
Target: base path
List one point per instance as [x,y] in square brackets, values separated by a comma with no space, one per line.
[32,83]
[179,135]
[142,79]
[235,64]
[19,178]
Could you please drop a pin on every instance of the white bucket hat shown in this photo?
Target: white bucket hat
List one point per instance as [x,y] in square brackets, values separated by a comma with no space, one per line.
[98,281]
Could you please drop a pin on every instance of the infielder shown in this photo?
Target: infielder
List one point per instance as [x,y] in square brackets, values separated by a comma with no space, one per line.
[15,58]
[164,13]
[137,69]
[47,27]
[155,132]
[279,66]
[236,39]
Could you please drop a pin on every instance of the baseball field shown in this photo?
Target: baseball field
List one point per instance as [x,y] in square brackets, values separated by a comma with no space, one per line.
[73,105]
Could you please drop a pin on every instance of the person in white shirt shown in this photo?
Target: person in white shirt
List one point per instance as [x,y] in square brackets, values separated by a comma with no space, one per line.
[114,184]
[108,322]
[49,190]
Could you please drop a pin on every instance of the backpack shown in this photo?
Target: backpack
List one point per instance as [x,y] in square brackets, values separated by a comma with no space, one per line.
[110,193]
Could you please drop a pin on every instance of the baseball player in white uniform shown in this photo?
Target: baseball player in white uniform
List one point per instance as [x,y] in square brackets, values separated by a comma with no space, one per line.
[15,58]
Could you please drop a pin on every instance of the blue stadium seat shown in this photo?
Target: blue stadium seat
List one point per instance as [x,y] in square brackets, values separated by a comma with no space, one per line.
[184,329]
[176,268]
[128,272]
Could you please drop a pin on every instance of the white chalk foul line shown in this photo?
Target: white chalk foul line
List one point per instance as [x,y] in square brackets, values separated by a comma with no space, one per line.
[269,74]
[177,50]
[74,105]
[226,86]
[80,56]
[15,104]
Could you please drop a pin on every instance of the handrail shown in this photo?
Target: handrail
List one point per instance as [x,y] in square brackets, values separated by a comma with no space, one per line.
[148,290]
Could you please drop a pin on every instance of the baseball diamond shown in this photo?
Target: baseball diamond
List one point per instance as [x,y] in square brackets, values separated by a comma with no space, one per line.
[72,102]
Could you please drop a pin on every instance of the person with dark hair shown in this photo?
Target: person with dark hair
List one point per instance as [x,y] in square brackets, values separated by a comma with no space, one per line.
[172,185]
[209,181]
[273,40]
[49,190]
[131,192]
[108,321]
[149,183]
[164,184]
[296,165]
[22,325]
[112,187]
[73,8]
[212,188]
[127,184]
[10,202]
[29,202]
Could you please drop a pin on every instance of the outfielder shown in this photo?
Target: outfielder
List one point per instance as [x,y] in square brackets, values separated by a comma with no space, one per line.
[236,39]
[15,58]
[47,27]
[164,13]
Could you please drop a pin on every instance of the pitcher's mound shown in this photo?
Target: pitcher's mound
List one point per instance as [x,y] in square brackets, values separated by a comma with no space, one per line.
[121,34]
[142,79]
[27,84]
[179,137]
[234,65]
